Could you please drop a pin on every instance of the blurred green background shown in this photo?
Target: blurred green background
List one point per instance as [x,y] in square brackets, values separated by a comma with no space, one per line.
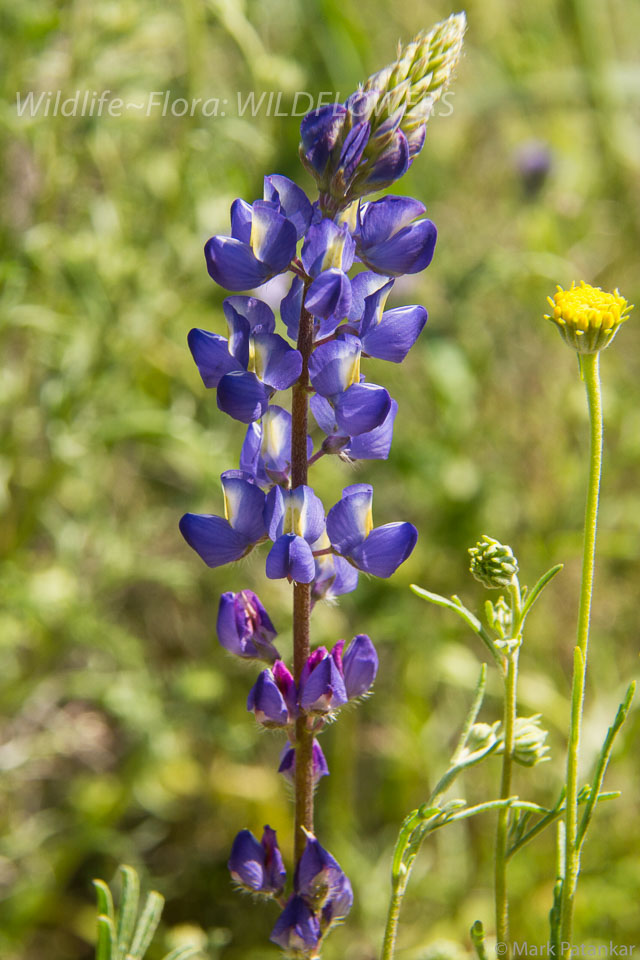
[124,731]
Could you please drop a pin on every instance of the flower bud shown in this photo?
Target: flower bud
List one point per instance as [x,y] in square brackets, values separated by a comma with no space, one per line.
[244,627]
[321,683]
[258,867]
[588,317]
[359,666]
[529,741]
[273,697]
[493,563]
[288,763]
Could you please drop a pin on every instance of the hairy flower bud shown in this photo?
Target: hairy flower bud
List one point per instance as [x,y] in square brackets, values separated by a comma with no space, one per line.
[529,741]
[588,317]
[492,563]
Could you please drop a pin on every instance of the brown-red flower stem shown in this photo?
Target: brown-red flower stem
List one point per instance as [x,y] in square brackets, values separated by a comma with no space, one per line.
[302,591]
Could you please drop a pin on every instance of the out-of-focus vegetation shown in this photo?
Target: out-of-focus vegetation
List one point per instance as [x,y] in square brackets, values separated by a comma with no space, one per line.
[124,730]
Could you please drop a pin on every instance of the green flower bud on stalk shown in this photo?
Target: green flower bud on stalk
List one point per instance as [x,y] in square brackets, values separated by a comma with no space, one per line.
[493,563]
[529,742]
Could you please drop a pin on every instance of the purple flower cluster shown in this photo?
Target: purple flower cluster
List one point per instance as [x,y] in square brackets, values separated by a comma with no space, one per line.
[321,897]
[330,679]
[343,256]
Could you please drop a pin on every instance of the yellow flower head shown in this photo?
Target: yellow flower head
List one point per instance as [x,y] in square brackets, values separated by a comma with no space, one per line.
[588,317]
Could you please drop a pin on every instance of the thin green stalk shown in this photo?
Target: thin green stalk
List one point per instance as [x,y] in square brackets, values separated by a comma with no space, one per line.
[502,832]
[590,368]
[509,724]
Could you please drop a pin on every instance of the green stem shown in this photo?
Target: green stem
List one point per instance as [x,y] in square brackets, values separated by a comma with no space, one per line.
[590,369]
[391,929]
[509,724]
[502,832]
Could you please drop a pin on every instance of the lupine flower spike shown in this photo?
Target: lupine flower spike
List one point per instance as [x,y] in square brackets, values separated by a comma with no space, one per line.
[335,319]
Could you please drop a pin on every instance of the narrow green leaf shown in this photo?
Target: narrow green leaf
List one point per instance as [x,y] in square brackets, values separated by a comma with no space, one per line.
[406,828]
[603,762]
[461,610]
[128,909]
[106,943]
[147,926]
[104,899]
[537,590]
[183,953]
[472,716]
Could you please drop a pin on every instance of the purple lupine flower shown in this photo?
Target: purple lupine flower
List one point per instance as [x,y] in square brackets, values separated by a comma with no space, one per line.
[359,666]
[339,904]
[387,240]
[258,867]
[266,451]
[272,698]
[244,627]
[373,445]
[288,763]
[319,879]
[376,550]
[220,540]
[262,244]
[295,520]
[297,929]
[327,254]
[334,368]
[251,365]
[322,686]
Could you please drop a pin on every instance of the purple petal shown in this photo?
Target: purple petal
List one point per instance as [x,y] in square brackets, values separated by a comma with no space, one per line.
[409,251]
[293,201]
[232,264]
[359,666]
[323,414]
[276,439]
[212,357]
[319,876]
[352,150]
[246,315]
[213,538]
[361,408]
[385,217]
[266,701]
[250,452]
[276,363]
[334,366]
[415,139]
[376,443]
[273,237]
[340,902]
[275,873]
[241,214]
[327,245]
[290,557]
[297,928]
[385,549]
[319,132]
[349,522]
[246,861]
[329,297]
[363,285]
[243,504]
[244,628]
[242,396]
[389,165]
[394,335]
[324,689]
[290,307]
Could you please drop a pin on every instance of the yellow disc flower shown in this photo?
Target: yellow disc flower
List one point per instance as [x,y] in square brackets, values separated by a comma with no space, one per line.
[588,317]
